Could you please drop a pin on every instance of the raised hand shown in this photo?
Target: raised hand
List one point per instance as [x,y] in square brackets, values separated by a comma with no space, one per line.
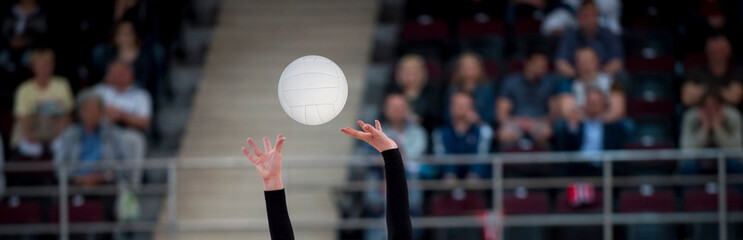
[267,163]
[373,136]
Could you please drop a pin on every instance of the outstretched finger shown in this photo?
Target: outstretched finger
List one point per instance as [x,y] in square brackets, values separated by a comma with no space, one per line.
[266,144]
[247,154]
[361,124]
[279,142]
[355,133]
[255,148]
[379,126]
[371,130]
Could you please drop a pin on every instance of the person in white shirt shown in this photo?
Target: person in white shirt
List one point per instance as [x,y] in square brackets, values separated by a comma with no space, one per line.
[127,105]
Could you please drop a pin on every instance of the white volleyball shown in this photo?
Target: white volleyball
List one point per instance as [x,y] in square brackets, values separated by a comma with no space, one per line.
[312,90]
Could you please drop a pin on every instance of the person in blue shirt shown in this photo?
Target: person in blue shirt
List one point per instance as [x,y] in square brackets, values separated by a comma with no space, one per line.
[524,103]
[90,142]
[465,134]
[607,45]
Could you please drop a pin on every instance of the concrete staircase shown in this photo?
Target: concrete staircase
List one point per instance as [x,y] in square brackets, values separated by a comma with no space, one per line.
[236,98]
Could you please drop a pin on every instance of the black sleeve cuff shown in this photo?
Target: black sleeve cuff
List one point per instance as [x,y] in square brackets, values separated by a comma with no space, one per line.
[392,155]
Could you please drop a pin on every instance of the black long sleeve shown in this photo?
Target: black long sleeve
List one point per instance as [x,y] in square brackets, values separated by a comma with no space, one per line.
[398,208]
[278,217]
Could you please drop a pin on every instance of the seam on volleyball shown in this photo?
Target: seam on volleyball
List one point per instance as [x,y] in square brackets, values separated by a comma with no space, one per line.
[311,88]
[317,110]
[324,73]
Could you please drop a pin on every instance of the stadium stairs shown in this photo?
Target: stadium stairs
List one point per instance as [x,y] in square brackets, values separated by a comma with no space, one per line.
[237,98]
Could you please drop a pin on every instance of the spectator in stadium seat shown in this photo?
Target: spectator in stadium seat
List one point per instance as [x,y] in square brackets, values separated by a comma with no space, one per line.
[562,18]
[24,27]
[573,93]
[90,142]
[412,141]
[464,135]
[423,98]
[42,106]
[127,105]
[525,100]
[469,77]
[712,124]
[126,46]
[607,45]
[585,130]
[410,136]
[720,74]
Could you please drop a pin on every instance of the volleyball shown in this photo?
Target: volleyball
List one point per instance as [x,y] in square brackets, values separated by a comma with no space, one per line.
[312,90]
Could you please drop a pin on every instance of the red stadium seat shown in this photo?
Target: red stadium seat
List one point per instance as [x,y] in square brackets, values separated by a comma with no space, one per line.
[662,107]
[434,69]
[535,202]
[90,211]
[527,26]
[564,207]
[698,200]
[418,30]
[694,60]
[24,212]
[637,63]
[471,28]
[445,205]
[634,202]
[6,122]
[515,66]
[492,69]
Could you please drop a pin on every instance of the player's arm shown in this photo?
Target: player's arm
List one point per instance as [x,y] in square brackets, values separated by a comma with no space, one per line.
[268,164]
[398,209]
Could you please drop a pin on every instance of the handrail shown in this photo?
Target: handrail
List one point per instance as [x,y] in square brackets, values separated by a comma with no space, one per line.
[347,161]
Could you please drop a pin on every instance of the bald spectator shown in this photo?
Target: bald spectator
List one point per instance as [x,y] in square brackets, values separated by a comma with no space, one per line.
[127,105]
[720,74]
[572,93]
[523,107]
[423,98]
[91,142]
[607,45]
[586,130]
[465,134]
[42,106]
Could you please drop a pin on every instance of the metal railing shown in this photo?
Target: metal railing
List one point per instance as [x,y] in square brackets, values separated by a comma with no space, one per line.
[498,183]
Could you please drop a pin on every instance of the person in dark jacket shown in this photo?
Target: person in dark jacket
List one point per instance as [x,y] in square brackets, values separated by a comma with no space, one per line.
[268,164]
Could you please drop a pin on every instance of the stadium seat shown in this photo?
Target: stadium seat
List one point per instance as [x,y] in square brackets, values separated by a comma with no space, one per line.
[445,204]
[527,26]
[699,200]
[647,167]
[639,64]
[650,131]
[535,202]
[633,201]
[475,28]
[492,69]
[90,210]
[648,43]
[22,211]
[434,70]
[659,201]
[694,60]
[417,30]
[562,205]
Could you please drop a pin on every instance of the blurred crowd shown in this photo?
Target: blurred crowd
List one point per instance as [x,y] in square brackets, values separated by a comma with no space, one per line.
[556,75]
[80,83]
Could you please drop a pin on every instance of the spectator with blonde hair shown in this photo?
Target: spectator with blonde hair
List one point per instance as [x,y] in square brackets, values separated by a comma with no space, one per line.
[42,106]
[423,97]
[469,77]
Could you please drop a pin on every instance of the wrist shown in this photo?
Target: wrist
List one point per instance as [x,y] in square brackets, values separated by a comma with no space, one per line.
[272,184]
